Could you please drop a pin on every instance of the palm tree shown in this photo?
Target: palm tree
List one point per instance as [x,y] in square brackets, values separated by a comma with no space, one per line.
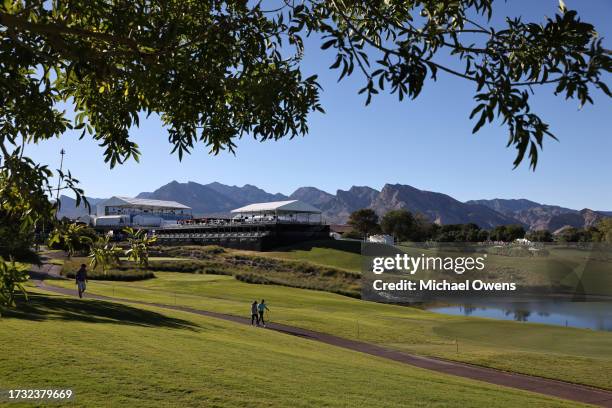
[104,254]
[139,246]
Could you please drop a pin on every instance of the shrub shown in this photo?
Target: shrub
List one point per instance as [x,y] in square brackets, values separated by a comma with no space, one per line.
[124,272]
[192,251]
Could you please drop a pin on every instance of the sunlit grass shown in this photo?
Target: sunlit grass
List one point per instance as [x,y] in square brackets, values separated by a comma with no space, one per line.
[575,355]
[113,354]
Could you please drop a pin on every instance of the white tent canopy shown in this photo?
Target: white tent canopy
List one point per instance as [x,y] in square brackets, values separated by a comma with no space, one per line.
[128,205]
[117,201]
[291,206]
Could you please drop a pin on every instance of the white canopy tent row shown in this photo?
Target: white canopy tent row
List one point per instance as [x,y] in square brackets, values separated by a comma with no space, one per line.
[278,211]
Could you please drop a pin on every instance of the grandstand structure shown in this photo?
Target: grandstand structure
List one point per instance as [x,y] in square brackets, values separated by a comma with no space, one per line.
[118,212]
[259,226]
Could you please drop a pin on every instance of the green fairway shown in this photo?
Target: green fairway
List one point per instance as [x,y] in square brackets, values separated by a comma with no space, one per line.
[574,355]
[337,254]
[113,354]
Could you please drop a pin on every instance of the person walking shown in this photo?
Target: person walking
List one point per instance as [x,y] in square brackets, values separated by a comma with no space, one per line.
[261,308]
[254,317]
[81,279]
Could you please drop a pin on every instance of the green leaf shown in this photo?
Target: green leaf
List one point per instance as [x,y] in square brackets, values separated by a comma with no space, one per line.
[328,44]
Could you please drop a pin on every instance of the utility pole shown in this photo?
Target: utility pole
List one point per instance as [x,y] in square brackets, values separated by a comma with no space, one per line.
[59,179]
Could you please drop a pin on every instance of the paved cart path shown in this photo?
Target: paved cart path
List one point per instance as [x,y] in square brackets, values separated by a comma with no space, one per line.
[540,385]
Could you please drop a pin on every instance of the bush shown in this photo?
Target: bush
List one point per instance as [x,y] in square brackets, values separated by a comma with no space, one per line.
[252,278]
[190,251]
[131,275]
[123,272]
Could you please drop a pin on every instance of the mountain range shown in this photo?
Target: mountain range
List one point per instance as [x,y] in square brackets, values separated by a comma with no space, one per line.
[216,199]
[69,209]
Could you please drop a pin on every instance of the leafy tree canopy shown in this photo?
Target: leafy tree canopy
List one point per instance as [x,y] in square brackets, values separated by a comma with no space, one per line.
[215,71]
[539,236]
[507,233]
[364,221]
[399,224]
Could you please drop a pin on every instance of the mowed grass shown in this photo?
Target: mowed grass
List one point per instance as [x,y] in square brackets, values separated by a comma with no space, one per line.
[574,355]
[114,354]
[337,254]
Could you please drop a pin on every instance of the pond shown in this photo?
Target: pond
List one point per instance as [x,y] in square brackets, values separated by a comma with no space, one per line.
[584,315]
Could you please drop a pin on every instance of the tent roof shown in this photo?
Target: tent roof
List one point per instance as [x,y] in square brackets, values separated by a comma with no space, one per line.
[294,206]
[143,202]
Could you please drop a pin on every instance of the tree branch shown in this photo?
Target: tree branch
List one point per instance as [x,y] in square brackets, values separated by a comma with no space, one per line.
[428,61]
[12,21]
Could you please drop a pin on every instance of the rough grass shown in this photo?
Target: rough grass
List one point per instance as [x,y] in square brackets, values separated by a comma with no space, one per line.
[568,354]
[114,354]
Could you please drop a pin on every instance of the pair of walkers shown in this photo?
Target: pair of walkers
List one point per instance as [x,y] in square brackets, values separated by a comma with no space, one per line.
[257,313]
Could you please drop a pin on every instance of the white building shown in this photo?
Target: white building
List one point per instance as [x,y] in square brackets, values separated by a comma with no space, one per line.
[522,241]
[140,212]
[381,239]
[278,211]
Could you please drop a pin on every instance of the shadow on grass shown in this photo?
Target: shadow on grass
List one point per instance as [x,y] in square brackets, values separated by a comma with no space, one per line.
[340,245]
[41,275]
[50,307]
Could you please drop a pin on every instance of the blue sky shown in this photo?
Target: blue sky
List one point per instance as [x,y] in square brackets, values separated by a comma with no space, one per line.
[426,143]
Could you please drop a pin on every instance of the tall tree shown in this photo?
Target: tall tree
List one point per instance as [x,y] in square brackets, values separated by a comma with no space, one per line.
[364,221]
[605,229]
[399,224]
[539,236]
[507,233]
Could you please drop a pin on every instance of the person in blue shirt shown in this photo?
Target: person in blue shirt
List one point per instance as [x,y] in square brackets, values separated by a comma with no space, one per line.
[262,307]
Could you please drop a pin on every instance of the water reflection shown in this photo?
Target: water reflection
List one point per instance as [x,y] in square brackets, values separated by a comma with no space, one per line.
[585,315]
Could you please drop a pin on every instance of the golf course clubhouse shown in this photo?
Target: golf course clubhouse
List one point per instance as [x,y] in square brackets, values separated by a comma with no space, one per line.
[259,226]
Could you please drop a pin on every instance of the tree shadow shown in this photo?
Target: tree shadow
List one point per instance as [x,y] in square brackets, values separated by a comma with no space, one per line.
[38,275]
[50,307]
